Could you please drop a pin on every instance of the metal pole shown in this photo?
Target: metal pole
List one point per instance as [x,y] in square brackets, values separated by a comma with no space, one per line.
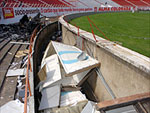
[105,83]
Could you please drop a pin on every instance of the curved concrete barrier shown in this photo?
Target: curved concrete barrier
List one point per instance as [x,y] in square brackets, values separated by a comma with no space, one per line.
[125,71]
[41,41]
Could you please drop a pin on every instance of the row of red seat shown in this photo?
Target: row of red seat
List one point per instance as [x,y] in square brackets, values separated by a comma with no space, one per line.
[134,3]
[33,3]
[64,3]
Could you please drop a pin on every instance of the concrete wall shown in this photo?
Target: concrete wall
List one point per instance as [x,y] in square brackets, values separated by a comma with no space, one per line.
[41,41]
[125,71]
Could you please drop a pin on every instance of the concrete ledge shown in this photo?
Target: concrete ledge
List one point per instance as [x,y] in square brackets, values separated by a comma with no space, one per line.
[126,72]
[140,61]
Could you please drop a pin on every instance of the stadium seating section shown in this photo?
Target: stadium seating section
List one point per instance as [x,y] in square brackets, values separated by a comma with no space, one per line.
[65,3]
[140,3]
[34,3]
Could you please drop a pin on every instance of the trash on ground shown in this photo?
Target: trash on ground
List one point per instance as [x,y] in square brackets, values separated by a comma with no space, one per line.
[50,73]
[68,109]
[50,98]
[63,69]
[22,53]
[71,98]
[10,53]
[68,56]
[89,108]
[14,106]
[24,43]
[21,30]
[16,72]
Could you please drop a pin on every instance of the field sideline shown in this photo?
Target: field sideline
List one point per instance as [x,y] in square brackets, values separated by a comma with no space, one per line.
[131,29]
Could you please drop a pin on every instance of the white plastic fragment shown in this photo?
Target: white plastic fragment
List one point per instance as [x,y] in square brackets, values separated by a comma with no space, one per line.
[16,72]
[53,73]
[71,98]
[73,59]
[89,108]
[50,97]
[14,106]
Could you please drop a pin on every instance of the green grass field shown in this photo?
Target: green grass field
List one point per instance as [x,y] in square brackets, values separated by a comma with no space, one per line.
[131,29]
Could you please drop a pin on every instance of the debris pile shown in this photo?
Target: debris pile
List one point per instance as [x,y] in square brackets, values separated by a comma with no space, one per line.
[14,106]
[62,70]
[17,71]
[21,30]
[13,32]
[20,74]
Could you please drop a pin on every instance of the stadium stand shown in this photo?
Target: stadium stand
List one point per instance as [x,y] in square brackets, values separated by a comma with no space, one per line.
[8,3]
[23,3]
[79,3]
[34,3]
[146,1]
[138,2]
[65,2]
[123,3]
[109,3]
[133,3]
[56,3]
[29,3]
[74,3]
[96,3]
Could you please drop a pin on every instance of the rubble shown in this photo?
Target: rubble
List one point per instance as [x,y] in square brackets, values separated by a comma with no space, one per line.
[13,32]
[22,53]
[16,72]
[63,69]
[24,43]
[14,106]
[21,30]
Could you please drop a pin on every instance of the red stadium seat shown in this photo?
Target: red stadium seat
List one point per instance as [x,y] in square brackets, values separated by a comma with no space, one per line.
[138,2]
[123,3]
[56,3]
[64,3]
[147,1]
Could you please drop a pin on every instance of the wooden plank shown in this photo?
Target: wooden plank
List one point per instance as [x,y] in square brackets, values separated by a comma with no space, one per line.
[5,51]
[3,44]
[9,87]
[6,63]
[146,105]
[123,100]
[125,109]
[138,108]
[24,43]
[141,106]
[1,40]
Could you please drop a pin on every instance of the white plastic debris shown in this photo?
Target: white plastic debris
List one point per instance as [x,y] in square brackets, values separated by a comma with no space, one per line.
[52,71]
[14,106]
[73,59]
[16,72]
[89,108]
[50,97]
[71,98]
